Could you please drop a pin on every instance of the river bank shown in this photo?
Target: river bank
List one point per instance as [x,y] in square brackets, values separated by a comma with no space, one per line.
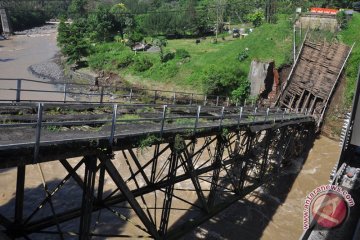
[30,52]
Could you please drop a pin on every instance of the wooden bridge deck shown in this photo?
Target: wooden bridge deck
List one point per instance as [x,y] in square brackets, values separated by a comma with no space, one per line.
[314,77]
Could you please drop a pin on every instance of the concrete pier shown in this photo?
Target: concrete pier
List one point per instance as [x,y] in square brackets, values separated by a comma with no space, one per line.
[5,23]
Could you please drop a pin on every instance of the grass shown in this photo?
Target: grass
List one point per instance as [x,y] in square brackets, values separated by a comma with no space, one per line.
[349,36]
[267,42]
[128,117]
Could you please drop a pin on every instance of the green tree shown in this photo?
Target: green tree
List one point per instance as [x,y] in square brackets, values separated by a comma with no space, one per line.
[72,41]
[242,91]
[122,19]
[100,25]
[256,17]
[62,36]
[223,81]
[77,9]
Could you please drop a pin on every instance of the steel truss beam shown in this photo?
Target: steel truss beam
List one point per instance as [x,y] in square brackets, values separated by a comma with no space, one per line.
[201,173]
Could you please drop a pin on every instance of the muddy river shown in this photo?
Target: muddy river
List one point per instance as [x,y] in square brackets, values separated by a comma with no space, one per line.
[269,214]
[275,213]
[17,54]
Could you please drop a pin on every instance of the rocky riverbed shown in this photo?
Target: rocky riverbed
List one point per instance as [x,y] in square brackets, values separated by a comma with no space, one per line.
[51,70]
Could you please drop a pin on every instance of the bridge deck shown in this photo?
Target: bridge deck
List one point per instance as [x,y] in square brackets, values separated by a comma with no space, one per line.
[198,160]
[314,77]
[26,139]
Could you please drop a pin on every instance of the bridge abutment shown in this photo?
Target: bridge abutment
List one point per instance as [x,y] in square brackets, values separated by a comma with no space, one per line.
[5,22]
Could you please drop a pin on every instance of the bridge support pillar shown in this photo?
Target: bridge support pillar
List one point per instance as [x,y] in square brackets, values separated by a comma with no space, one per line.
[88,197]
[5,22]
[220,145]
[19,200]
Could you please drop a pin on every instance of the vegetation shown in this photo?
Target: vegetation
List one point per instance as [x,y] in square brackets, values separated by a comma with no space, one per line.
[104,36]
[220,68]
[148,141]
[350,36]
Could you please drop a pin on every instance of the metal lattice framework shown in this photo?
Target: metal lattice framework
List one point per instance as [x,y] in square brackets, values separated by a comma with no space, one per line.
[148,187]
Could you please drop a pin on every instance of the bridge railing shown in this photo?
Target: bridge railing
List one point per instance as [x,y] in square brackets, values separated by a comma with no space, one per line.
[22,90]
[43,123]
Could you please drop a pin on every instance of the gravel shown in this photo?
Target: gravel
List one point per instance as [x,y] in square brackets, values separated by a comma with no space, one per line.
[49,70]
[46,29]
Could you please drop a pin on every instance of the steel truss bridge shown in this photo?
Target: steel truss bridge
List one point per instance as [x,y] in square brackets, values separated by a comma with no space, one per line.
[132,171]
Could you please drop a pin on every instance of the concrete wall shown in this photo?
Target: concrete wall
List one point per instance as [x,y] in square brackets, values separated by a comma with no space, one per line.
[319,22]
[5,23]
[257,75]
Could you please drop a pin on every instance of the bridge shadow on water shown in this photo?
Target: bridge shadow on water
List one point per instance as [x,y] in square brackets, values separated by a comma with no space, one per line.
[249,217]
[245,219]
[6,59]
[67,198]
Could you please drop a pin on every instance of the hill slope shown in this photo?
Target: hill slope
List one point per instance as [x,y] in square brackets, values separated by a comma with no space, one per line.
[267,42]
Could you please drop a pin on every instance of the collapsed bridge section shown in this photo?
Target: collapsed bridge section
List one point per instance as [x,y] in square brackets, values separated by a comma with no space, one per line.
[314,77]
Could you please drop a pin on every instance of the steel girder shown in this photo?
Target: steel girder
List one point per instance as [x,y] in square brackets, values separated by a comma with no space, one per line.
[160,190]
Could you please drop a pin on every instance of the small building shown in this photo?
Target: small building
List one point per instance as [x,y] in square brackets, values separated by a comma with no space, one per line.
[140,47]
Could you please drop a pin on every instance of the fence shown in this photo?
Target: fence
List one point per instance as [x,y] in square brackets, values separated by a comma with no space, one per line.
[47,121]
[72,92]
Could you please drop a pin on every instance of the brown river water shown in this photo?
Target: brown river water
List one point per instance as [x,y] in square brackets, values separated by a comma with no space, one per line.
[265,214]
[17,54]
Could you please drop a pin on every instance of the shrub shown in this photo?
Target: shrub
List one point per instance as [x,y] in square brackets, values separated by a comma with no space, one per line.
[167,56]
[342,19]
[134,37]
[142,63]
[110,56]
[124,59]
[159,41]
[243,55]
[243,90]
[256,18]
[221,81]
[182,53]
